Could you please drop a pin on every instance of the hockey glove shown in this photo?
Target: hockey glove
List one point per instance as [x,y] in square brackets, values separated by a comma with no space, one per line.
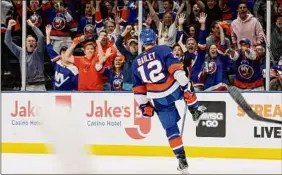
[147,109]
[190,96]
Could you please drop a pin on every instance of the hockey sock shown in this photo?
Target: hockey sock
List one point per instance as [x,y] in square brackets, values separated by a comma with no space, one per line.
[175,140]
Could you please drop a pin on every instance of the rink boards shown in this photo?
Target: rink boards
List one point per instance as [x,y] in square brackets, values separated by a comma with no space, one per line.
[111,124]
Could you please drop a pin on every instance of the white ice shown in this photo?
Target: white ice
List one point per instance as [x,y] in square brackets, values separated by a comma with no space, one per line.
[34,164]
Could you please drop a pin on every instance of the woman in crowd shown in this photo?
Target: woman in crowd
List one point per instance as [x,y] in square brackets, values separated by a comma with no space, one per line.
[114,73]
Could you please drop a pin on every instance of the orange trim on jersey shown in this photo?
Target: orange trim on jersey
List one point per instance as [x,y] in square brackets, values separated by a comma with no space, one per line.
[244,85]
[125,14]
[161,87]
[220,88]
[174,67]
[227,16]
[140,89]
[98,16]
[59,33]
[176,142]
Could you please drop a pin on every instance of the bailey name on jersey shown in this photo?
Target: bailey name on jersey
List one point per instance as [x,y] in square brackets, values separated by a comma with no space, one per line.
[146,58]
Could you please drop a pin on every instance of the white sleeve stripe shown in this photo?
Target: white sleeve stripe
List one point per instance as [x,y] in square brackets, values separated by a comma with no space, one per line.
[180,77]
[141,99]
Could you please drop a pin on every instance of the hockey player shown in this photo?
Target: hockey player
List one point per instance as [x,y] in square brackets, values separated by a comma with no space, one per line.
[157,75]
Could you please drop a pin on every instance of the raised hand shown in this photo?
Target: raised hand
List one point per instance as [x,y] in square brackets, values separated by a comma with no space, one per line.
[181,19]
[118,20]
[48,29]
[128,28]
[202,18]
[78,40]
[29,22]
[11,23]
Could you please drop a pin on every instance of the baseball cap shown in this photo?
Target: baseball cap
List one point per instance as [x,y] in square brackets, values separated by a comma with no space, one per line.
[130,40]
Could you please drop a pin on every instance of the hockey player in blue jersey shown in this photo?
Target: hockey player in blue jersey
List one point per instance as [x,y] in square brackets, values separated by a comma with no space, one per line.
[159,76]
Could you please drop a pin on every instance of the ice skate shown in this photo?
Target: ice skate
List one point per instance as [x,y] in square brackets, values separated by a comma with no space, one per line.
[196,114]
[183,165]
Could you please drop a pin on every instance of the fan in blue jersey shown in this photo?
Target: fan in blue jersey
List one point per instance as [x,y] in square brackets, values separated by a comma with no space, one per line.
[114,73]
[66,74]
[159,76]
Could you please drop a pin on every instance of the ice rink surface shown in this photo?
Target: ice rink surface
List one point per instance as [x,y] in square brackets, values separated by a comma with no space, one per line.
[35,164]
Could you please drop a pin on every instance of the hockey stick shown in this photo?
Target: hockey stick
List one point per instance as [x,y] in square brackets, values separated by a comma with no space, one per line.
[240,100]
[183,121]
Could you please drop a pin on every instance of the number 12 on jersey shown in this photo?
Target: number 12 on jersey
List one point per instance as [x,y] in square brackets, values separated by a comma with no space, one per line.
[151,72]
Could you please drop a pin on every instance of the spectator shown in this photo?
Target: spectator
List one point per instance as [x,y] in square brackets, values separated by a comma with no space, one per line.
[110,7]
[214,38]
[276,39]
[194,14]
[167,28]
[105,44]
[129,57]
[213,68]
[167,6]
[36,13]
[229,10]
[248,75]
[87,24]
[34,56]
[66,74]
[214,71]
[89,79]
[260,12]
[192,32]
[213,12]
[188,54]
[60,19]
[178,52]
[114,73]
[189,49]
[198,57]
[109,25]
[246,26]
[6,13]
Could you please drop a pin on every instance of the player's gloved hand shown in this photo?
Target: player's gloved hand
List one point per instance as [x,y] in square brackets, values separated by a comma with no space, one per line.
[189,94]
[147,109]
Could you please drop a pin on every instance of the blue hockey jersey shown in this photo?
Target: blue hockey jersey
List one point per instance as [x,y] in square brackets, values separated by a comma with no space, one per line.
[216,78]
[248,74]
[116,80]
[66,77]
[87,27]
[153,72]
